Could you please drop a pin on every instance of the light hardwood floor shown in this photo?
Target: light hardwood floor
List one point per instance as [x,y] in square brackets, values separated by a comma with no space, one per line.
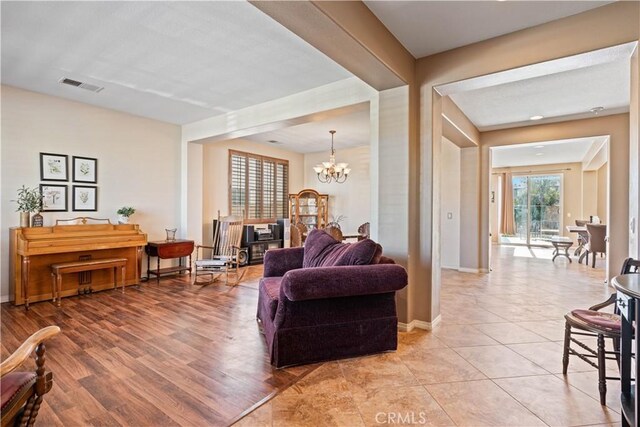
[177,354]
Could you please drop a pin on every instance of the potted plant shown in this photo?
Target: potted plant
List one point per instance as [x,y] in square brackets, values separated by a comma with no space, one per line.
[29,200]
[124,213]
[336,220]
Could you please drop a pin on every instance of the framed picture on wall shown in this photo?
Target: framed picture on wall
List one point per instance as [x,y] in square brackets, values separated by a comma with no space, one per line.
[85,198]
[54,197]
[53,167]
[85,169]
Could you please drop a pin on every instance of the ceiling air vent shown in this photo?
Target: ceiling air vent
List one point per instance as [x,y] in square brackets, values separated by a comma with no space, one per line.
[86,86]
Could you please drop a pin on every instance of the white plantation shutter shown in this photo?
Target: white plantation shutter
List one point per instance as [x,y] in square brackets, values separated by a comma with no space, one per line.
[259,185]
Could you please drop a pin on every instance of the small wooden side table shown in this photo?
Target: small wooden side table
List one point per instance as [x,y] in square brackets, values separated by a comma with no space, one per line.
[169,250]
[559,243]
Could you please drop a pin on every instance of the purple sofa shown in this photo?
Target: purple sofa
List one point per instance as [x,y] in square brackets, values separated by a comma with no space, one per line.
[328,300]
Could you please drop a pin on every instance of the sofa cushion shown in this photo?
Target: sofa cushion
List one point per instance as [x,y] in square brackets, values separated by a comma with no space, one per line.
[322,250]
[269,292]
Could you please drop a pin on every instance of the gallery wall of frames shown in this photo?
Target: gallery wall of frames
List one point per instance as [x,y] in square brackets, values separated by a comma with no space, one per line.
[56,170]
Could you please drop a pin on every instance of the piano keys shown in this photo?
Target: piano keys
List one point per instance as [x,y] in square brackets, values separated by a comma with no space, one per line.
[33,250]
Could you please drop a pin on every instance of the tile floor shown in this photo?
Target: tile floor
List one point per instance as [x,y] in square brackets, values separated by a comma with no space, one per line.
[494,360]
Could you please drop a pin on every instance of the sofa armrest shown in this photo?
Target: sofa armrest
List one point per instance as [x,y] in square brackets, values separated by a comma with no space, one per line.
[278,261]
[333,282]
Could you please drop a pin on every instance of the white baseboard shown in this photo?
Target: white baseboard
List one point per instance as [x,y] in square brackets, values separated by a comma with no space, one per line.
[468,270]
[4,298]
[450,267]
[484,270]
[418,324]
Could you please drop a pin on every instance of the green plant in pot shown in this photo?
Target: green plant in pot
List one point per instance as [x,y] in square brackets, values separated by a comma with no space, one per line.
[29,200]
[124,213]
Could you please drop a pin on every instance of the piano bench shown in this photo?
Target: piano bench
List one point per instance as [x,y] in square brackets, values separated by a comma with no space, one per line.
[57,270]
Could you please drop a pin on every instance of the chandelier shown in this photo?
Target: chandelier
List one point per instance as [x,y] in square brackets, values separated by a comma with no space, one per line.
[330,171]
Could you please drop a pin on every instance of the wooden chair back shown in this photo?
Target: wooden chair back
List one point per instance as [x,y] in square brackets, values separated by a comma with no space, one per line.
[303,230]
[364,231]
[630,266]
[296,237]
[227,235]
[335,232]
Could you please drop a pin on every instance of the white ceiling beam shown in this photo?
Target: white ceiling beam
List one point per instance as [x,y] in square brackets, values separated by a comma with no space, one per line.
[314,104]
[589,59]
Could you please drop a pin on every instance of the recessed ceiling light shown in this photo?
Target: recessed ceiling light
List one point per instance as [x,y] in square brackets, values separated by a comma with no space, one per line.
[273,141]
[596,110]
[539,154]
[539,146]
[536,117]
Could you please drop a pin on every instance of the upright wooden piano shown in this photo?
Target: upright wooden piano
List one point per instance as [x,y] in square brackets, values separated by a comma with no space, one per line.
[33,250]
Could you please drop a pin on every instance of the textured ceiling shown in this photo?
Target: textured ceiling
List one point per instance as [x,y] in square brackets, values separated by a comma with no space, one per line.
[543,153]
[172,61]
[352,130]
[565,95]
[428,27]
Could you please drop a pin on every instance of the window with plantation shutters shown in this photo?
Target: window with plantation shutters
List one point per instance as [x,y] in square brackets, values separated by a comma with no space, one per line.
[259,186]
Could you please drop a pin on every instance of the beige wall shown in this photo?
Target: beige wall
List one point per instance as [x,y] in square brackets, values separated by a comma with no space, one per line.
[469,201]
[351,198]
[138,160]
[571,188]
[589,194]
[603,190]
[215,182]
[450,203]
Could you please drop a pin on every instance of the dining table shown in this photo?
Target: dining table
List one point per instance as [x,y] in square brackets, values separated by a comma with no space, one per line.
[579,250]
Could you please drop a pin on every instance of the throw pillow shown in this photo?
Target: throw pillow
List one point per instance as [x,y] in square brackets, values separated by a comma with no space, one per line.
[322,250]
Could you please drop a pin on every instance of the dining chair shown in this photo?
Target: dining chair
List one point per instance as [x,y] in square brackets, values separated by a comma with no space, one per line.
[296,237]
[595,323]
[364,231]
[335,232]
[303,230]
[597,234]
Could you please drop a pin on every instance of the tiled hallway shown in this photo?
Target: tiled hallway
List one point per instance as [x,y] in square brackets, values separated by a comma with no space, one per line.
[495,359]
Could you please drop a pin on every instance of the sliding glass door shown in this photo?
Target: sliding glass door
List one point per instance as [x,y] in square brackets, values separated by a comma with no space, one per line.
[536,208]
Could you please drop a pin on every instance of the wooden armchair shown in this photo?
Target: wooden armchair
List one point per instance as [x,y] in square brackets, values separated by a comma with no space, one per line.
[22,392]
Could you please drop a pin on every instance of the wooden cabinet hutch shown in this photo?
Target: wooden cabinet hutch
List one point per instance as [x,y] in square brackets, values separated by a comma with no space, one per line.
[310,208]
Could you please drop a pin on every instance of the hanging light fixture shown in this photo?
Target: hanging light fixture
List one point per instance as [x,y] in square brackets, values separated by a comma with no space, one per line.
[330,171]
